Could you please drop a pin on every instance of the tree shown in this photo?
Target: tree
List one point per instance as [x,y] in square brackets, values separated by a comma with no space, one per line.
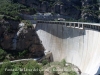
[35,67]
[28,23]
[63,62]
[44,62]
[17,67]
[4,67]
[11,10]
[2,54]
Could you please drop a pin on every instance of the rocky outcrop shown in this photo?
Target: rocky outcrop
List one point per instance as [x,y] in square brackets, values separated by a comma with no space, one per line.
[64,7]
[74,9]
[23,38]
[44,6]
[89,10]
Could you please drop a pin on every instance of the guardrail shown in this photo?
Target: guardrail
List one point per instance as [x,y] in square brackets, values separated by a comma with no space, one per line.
[80,25]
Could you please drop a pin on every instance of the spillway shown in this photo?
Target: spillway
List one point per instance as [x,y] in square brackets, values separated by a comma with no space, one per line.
[76,42]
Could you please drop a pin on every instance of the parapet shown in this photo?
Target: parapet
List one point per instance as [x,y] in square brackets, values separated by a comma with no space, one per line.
[79,25]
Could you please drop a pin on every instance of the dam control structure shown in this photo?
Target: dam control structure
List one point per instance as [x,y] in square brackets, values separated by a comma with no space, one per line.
[76,42]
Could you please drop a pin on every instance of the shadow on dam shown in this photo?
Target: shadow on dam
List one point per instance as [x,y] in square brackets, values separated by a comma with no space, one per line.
[61,31]
[98,71]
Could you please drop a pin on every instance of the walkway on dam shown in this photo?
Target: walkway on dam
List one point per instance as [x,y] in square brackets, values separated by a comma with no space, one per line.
[80,25]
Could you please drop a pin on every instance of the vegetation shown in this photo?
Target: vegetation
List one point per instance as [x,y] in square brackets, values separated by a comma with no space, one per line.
[28,24]
[20,68]
[9,9]
[63,62]
[2,54]
[21,54]
[33,65]
[1,17]
[72,73]
[34,68]
[5,66]
[44,62]
[59,68]
[12,10]
[13,56]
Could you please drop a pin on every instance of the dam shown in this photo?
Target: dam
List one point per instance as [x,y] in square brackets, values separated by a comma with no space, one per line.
[76,42]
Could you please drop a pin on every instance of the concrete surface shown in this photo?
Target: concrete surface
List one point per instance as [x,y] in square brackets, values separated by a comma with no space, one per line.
[80,47]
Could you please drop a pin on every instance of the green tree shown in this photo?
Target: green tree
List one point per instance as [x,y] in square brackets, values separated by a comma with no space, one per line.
[2,54]
[72,73]
[11,10]
[4,67]
[44,62]
[27,23]
[63,62]
[35,67]
[17,67]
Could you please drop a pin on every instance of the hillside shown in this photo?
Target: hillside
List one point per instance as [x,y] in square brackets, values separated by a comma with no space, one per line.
[84,10]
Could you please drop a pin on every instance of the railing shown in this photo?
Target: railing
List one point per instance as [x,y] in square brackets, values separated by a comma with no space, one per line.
[80,25]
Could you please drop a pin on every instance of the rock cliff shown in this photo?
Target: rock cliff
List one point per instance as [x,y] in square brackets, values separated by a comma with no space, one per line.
[89,11]
[15,36]
[75,9]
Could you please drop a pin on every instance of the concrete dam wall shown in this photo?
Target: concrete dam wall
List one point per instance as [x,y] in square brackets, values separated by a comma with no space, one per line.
[77,43]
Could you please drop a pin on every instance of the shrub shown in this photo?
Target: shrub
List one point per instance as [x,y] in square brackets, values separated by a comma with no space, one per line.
[28,24]
[1,17]
[3,68]
[21,54]
[12,10]
[63,62]
[72,73]
[34,66]
[44,62]
[2,54]
[54,71]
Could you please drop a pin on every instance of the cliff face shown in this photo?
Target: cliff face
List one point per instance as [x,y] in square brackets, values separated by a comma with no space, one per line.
[90,8]
[13,37]
[74,9]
